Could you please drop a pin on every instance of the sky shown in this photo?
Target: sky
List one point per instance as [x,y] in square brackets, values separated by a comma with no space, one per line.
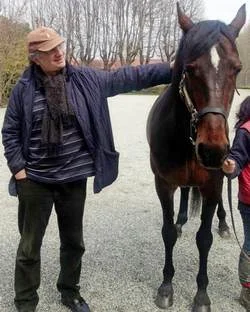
[225,10]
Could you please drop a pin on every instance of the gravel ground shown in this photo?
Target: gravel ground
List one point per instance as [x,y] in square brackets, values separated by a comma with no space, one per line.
[122,266]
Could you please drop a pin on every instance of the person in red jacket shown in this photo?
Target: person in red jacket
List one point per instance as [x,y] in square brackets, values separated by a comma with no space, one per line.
[238,165]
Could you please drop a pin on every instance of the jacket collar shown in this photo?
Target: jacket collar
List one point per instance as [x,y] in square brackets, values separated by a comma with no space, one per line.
[29,73]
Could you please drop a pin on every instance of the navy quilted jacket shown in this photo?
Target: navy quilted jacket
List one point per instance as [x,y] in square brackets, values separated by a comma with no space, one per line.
[88,88]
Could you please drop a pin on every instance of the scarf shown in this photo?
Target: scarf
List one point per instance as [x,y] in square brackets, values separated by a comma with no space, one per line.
[58,113]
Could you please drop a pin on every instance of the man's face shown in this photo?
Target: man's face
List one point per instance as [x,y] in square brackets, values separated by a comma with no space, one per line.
[51,61]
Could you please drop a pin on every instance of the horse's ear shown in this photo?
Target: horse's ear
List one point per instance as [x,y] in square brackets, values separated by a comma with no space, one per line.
[184,21]
[239,20]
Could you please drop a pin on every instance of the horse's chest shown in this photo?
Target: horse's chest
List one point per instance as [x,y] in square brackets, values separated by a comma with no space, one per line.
[190,174]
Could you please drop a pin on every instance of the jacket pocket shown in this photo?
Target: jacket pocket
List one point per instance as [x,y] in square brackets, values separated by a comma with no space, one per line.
[110,162]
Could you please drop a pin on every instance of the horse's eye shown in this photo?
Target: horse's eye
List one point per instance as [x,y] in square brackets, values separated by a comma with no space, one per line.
[190,68]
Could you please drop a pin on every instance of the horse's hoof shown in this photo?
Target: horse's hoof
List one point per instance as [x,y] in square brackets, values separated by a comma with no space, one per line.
[203,308]
[223,230]
[178,230]
[164,297]
[224,233]
[201,302]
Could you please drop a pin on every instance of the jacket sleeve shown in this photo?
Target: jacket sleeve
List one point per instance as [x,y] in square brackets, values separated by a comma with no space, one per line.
[12,134]
[129,78]
[240,151]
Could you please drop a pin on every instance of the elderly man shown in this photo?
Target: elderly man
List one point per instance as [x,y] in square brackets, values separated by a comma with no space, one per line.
[56,134]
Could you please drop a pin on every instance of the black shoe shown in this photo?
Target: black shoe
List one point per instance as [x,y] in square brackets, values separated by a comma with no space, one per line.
[26,309]
[75,304]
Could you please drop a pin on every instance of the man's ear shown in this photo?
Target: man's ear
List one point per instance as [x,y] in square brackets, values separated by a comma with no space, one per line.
[34,57]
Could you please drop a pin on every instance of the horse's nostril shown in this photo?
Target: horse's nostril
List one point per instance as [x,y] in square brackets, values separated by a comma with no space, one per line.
[202,152]
[211,157]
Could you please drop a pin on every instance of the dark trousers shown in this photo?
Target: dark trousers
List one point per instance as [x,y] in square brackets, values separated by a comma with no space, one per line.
[35,205]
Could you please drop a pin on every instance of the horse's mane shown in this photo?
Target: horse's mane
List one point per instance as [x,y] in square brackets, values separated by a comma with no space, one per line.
[198,40]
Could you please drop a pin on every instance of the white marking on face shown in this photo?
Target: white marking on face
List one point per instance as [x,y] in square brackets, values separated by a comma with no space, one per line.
[215,58]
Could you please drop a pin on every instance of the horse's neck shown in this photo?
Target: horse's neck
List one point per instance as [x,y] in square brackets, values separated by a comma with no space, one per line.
[180,108]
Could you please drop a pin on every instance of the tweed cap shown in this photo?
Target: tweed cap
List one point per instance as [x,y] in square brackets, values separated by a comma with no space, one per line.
[43,39]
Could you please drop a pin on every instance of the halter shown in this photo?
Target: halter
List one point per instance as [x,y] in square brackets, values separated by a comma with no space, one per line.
[195,115]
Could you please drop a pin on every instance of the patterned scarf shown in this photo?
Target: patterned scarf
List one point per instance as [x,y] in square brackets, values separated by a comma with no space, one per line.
[58,113]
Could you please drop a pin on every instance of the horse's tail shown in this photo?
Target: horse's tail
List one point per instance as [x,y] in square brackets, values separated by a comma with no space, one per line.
[195,202]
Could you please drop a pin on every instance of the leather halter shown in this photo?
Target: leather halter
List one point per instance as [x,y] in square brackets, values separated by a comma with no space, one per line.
[196,115]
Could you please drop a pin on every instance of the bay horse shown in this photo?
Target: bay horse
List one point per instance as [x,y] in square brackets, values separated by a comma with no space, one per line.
[182,217]
[187,132]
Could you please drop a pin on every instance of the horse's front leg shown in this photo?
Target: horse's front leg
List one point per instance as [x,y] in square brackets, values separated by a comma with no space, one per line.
[165,193]
[204,240]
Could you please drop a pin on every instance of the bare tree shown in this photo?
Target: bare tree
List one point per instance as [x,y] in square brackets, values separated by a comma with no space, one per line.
[109,29]
[66,23]
[87,36]
[108,44]
[148,17]
[15,10]
[43,13]
[169,31]
[127,12]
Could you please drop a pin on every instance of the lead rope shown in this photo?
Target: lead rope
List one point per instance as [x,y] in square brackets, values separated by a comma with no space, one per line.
[237,91]
[229,191]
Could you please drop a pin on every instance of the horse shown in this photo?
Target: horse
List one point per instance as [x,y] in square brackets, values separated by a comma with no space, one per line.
[182,217]
[187,133]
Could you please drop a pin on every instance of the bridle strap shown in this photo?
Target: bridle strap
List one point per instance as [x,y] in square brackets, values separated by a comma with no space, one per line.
[214,110]
[187,100]
[195,115]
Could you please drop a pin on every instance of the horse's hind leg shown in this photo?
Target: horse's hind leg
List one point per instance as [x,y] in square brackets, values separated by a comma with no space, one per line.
[169,234]
[223,230]
[183,210]
[204,240]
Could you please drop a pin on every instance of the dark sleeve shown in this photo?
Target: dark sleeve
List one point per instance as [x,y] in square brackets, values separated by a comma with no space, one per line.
[240,151]
[130,78]
[11,134]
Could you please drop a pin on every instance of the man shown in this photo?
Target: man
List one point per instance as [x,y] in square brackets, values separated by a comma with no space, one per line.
[56,134]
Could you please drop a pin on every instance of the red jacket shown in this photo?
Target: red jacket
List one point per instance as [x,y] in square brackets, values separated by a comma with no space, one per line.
[244,177]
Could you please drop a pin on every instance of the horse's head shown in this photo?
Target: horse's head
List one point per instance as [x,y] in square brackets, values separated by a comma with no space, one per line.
[207,65]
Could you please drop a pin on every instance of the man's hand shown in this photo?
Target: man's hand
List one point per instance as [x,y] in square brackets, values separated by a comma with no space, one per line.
[229,166]
[21,175]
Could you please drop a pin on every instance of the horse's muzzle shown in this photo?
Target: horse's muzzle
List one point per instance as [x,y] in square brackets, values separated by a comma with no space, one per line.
[211,157]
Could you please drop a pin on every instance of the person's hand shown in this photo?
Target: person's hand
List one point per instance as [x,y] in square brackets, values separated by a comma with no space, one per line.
[20,175]
[228,166]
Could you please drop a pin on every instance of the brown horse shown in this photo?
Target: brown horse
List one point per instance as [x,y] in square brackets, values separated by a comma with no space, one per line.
[187,132]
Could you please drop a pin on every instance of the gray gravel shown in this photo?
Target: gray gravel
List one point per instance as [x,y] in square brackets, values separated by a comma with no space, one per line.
[122,230]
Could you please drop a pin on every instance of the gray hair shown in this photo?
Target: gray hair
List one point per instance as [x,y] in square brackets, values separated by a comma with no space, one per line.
[32,55]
